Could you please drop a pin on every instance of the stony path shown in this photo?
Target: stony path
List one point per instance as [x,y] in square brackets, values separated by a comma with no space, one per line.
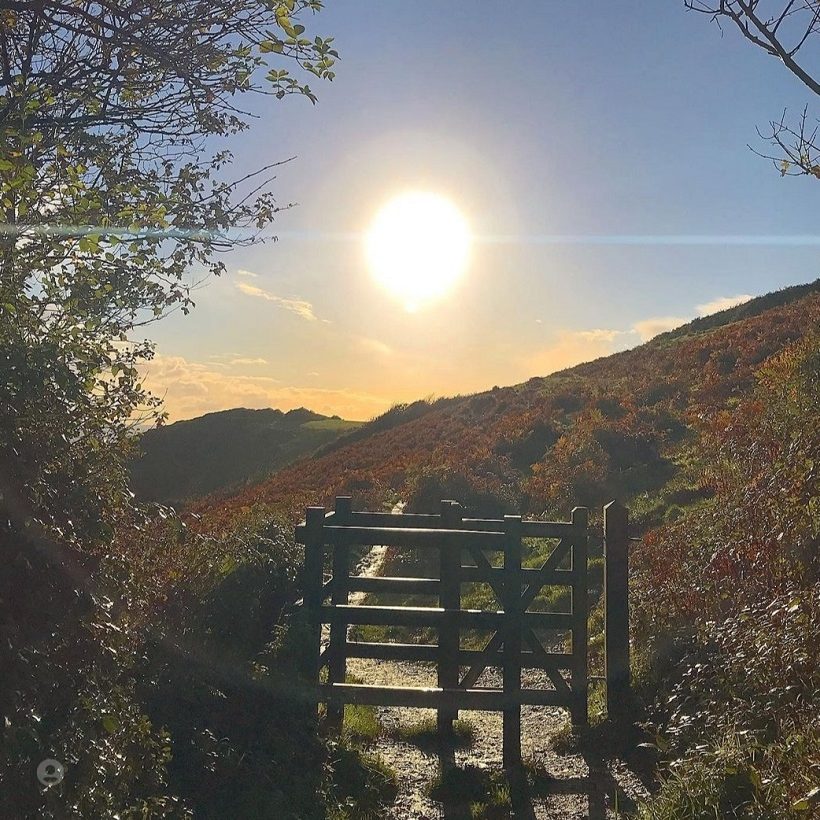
[577,791]
[575,787]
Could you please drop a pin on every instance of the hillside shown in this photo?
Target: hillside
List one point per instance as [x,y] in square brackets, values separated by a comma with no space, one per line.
[221,450]
[622,426]
[710,435]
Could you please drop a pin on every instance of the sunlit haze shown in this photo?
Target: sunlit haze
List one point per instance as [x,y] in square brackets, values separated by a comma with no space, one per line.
[417,247]
[603,203]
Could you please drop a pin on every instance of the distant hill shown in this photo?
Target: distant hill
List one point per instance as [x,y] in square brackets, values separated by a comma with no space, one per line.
[625,426]
[190,459]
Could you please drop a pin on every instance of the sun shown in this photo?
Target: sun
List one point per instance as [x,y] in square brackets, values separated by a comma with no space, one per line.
[418,246]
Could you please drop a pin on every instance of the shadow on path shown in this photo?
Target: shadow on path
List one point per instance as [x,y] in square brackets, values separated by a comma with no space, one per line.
[527,786]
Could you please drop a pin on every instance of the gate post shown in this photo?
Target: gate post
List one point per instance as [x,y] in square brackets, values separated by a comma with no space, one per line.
[580,615]
[513,624]
[337,648]
[616,605]
[314,560]
[449,599]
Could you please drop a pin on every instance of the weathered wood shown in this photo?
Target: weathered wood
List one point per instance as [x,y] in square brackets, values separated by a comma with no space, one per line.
[413,652]
[495,576]
[580,614]
[515,586]
[513,625]
[484,659]
[410,537]
[404,586]
[433,616]
[450,601]
[435,698]
[313,580]
[529,529]
[337,659]
[616,607]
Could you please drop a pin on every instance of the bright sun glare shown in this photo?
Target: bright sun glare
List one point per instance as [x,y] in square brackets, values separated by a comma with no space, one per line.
[418,246]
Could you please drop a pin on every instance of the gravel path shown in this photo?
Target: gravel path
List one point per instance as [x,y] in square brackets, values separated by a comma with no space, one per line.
[579,788]
[575,786]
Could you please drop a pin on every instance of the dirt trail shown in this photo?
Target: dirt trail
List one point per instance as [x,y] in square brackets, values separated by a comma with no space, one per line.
[577,787]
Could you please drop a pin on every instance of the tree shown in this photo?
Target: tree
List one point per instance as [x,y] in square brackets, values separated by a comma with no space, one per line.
[785,29]
[115,200]
[112,208]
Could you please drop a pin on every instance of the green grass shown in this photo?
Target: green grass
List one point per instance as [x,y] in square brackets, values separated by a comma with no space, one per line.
[361,723]
[337,425]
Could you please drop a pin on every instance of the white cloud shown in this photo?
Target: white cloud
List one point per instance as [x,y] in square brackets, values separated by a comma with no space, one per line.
[300,307]
[374,346]
[722,303]
[572,347]
[249,273]
[192,389]
[248,360]
[649,328]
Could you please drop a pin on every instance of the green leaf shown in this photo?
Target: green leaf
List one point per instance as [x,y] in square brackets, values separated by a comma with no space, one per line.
[267,46]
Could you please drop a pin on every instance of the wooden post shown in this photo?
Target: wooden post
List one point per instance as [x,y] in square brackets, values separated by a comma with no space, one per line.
[513,624]
[449,599]
[337,658]
[313,581]
[580,614]
[616,608]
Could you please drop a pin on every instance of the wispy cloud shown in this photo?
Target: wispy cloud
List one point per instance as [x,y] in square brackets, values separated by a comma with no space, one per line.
[647,329]
[300,307]
[722,303]
[572,347]
[248,273]
[193,388]
[248,360]
[374,346]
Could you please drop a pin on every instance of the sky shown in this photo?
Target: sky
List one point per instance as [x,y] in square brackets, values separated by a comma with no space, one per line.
[599,153]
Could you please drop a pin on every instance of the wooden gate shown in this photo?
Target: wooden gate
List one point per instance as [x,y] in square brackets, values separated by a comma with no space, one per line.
[495,547]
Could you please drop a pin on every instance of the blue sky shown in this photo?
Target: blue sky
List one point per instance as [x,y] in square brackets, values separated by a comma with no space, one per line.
[621,120]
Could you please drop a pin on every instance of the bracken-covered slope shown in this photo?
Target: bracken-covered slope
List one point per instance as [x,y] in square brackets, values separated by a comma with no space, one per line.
[622,426]
[192,458]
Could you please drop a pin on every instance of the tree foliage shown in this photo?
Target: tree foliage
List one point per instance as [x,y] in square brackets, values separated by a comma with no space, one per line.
[116,198]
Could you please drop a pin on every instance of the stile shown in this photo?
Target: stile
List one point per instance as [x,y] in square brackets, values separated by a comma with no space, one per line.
[516,588]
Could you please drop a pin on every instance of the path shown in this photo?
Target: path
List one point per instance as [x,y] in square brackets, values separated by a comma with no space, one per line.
[577,787]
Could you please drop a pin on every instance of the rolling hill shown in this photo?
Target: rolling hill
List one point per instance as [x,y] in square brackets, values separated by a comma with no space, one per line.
[622,426]
[221,450]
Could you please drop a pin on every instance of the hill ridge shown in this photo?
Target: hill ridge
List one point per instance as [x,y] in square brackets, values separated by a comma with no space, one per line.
[618,425]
